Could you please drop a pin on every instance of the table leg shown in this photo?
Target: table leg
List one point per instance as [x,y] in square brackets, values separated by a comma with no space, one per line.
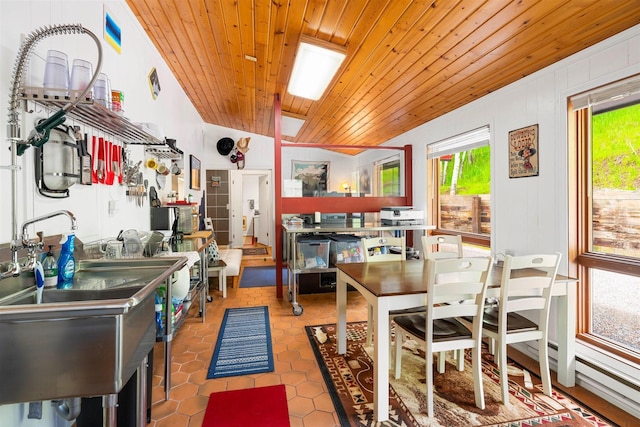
[168,327]
[566,336]
[222,276]
[381,360]
[341,310]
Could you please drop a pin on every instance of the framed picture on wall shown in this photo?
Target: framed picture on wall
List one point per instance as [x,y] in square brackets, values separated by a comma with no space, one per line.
[364,182]
[194,165]
[154,83]
[314,176]
[523,152]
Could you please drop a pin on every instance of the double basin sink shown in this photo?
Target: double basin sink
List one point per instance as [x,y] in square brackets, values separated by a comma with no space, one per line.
[84,341]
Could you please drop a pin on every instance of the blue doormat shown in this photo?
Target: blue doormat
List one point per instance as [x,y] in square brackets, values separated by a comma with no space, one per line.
[258,277]
[244,343]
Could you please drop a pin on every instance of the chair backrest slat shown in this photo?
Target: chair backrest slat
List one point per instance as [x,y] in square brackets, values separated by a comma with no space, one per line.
[453,280]
[443,244]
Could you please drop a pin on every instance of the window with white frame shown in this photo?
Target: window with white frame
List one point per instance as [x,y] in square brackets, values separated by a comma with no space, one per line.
[459,190]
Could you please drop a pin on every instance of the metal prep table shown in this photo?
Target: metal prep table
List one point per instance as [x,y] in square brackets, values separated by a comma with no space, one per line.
[349,226]
[198,242]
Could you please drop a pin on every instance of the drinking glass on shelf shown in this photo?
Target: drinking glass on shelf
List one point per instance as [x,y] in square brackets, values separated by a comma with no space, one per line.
[56,74]
[81,73]
[102,91]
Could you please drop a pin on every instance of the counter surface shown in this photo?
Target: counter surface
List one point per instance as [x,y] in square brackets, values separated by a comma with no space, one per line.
[353,225]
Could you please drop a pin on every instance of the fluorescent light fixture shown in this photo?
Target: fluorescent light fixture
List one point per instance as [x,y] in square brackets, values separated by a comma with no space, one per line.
[291,125]
[317,62]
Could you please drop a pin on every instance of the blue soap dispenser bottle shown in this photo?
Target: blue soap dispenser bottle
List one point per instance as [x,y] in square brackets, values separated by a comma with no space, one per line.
[66,262]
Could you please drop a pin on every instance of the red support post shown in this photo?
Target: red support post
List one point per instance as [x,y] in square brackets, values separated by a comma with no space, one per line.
[277,184]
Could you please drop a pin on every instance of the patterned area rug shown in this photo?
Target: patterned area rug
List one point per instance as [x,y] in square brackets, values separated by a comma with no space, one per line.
[349,379]
[244,343]
[254,251]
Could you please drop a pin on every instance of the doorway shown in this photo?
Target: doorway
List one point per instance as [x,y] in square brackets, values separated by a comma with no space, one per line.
[251,207]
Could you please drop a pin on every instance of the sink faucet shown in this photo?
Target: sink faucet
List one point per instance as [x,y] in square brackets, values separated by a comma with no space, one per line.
[41,132]
[32,245]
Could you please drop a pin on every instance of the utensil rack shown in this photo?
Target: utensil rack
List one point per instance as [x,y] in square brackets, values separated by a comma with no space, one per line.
[163,152]
[94,114]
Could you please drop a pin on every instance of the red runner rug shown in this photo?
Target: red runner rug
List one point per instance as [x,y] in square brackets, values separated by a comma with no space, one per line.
[261,406]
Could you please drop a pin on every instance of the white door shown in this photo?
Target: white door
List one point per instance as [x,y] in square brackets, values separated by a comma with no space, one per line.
[235,209]
[264,206]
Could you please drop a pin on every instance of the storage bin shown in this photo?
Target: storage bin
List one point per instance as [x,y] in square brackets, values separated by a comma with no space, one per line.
[313,252]
[345,248]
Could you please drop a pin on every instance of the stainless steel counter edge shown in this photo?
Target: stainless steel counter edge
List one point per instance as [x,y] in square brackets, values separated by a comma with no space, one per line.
[97,307]
[339,228]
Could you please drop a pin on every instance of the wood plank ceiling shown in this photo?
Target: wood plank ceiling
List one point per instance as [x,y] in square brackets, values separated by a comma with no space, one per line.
[408,61]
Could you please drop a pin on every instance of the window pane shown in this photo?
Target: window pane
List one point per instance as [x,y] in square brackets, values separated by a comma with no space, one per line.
[390,178]
[614,301]
[465,191]
[614,209]
[615,173]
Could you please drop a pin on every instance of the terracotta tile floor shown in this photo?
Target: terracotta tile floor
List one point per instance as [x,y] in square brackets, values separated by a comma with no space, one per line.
[295,365]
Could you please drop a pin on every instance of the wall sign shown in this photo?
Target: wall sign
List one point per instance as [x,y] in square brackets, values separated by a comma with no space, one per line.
[523,152]
[112,31]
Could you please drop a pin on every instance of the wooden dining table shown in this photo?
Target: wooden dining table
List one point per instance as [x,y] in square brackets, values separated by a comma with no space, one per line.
[394,285]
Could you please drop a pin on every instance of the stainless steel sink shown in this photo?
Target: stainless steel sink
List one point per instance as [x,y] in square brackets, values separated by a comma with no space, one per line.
[73,295]
[84,341]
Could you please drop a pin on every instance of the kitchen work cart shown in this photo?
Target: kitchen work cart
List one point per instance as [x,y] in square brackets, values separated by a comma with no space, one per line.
[305,248]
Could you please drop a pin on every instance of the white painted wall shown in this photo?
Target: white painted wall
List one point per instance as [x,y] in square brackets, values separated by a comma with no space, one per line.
[128,72]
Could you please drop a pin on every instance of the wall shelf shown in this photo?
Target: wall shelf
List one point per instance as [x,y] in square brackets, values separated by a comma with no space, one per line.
[95,115]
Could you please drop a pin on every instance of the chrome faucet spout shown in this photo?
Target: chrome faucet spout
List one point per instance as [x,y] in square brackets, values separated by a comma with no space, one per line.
[25,234]
[14,269]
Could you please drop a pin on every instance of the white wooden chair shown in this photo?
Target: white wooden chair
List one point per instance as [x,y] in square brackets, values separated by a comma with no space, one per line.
[449,281]
[436,240]
[529,292]
[370,243]
[371,255]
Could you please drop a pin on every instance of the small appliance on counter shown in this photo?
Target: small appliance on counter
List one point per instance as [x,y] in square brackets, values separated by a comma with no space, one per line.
[334,218]
[180,219]
[399,215]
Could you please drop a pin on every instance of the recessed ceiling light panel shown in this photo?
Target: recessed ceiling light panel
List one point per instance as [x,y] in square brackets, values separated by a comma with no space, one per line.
[316,64]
